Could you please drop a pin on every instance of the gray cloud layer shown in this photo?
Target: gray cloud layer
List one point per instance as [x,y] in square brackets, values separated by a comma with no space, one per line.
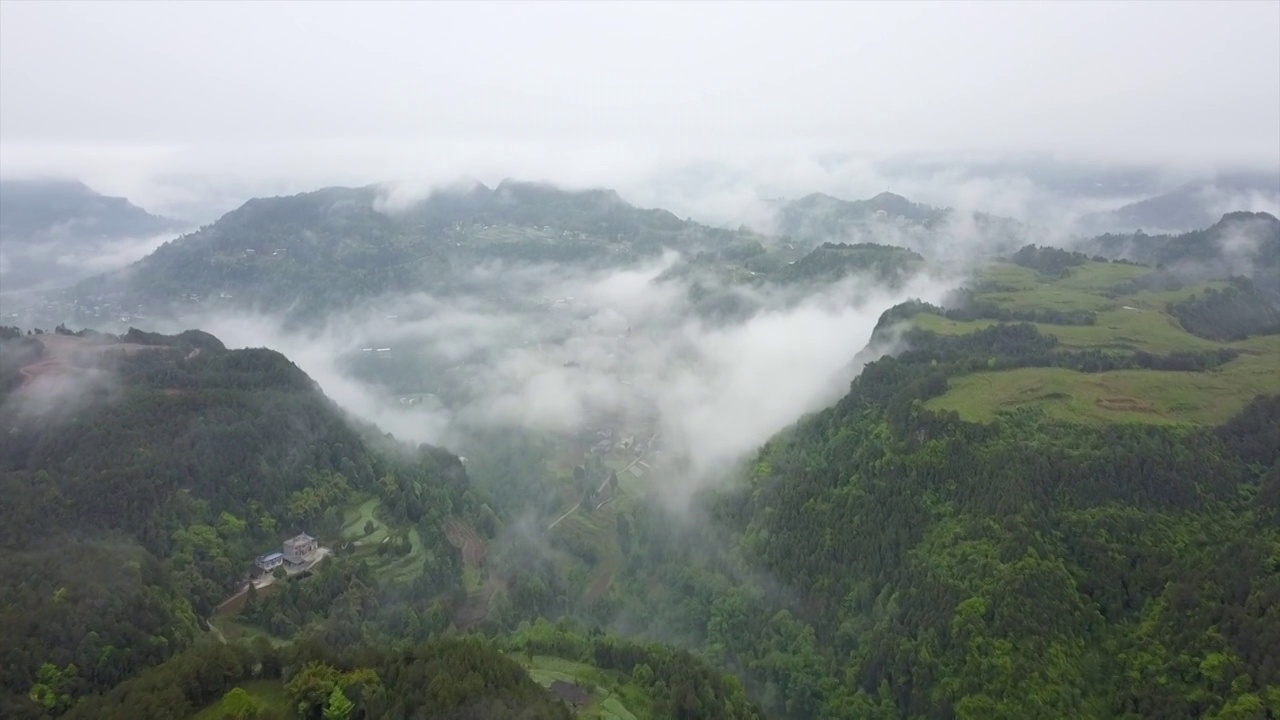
[291,96]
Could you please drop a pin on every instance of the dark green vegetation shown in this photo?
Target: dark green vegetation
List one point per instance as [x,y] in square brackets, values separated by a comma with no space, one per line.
[1233,313]
[141,477]
[442,680]
[144,473]
[1059,498]
[330,248]
[1241,243]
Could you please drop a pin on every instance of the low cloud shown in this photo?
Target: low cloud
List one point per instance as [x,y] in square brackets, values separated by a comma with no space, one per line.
[621,349]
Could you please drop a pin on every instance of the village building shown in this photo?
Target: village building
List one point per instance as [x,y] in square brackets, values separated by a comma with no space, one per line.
[297,549]
[270,561]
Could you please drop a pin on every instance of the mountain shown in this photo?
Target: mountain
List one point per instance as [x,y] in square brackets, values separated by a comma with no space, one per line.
[1239,243]
[1050,496]
[58,231]
[1187,207]
[329,248]
[888,219]
[146,476]
[142,475]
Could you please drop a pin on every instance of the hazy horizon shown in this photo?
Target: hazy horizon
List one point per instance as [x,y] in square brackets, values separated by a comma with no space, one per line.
[196,106]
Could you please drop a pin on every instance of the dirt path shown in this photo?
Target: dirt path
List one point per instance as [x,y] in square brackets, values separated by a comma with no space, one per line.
[217,632]
[566,514]
[603,484]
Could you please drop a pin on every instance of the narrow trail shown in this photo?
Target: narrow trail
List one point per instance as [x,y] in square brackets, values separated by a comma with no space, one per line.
[603,484]
[216,631]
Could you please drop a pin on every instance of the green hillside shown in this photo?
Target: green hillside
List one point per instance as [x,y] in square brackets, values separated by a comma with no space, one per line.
[1120,321]
[327,249]
[144,473]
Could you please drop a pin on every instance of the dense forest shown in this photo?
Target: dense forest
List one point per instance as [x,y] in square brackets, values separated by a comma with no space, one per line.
[899,554]
[143,474]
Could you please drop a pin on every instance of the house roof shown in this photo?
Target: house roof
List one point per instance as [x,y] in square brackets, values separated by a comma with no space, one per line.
[300,538]
[271,556]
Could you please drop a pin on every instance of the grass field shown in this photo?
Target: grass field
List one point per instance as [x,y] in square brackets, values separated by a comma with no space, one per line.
[614,700]
[235,631]
[1099,277]
[1124,323]
[1119,329]
[1147,396]
[270,692]
[398,569]
[354,519]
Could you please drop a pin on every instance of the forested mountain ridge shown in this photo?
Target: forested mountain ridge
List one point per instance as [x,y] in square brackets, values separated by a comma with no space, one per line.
[331,247]
[142,475]
[1239,243]
[937,233]
[1054,501]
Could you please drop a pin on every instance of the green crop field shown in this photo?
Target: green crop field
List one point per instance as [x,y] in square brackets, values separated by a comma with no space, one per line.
[1129,329]
[1099,277]
[1147,396]
[613,698]
[354,519]
[1124,323]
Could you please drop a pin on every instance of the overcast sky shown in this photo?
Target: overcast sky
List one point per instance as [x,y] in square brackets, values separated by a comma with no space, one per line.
[550,89]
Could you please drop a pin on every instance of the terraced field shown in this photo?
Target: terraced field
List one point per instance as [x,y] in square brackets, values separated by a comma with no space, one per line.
[611,698]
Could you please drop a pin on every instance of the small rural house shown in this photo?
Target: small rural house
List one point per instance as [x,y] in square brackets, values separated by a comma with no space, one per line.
[270,561]
[296,549]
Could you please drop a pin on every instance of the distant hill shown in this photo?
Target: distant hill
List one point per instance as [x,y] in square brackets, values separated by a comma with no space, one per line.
[1240,243]
[55,231]
[331,247]
[889,219]
[1187,207]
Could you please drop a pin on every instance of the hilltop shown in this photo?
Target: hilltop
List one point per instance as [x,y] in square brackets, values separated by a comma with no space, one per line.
[1239,243]
[331,247]
[58,231]
[937,233]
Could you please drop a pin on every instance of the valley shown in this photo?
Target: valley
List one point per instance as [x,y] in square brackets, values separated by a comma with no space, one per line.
[740,477]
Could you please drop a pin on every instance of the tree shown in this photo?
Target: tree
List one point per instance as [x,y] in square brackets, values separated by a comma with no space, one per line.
[369,527]
[338,707]
[240,705]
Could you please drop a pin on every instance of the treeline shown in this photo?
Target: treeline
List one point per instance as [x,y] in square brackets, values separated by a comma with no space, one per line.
[1233,313]
[455,679]
[832,261]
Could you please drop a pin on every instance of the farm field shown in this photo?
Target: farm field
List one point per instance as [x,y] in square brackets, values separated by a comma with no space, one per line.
[1124,323]
[1146,396]
[612,700]
[1119,329]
